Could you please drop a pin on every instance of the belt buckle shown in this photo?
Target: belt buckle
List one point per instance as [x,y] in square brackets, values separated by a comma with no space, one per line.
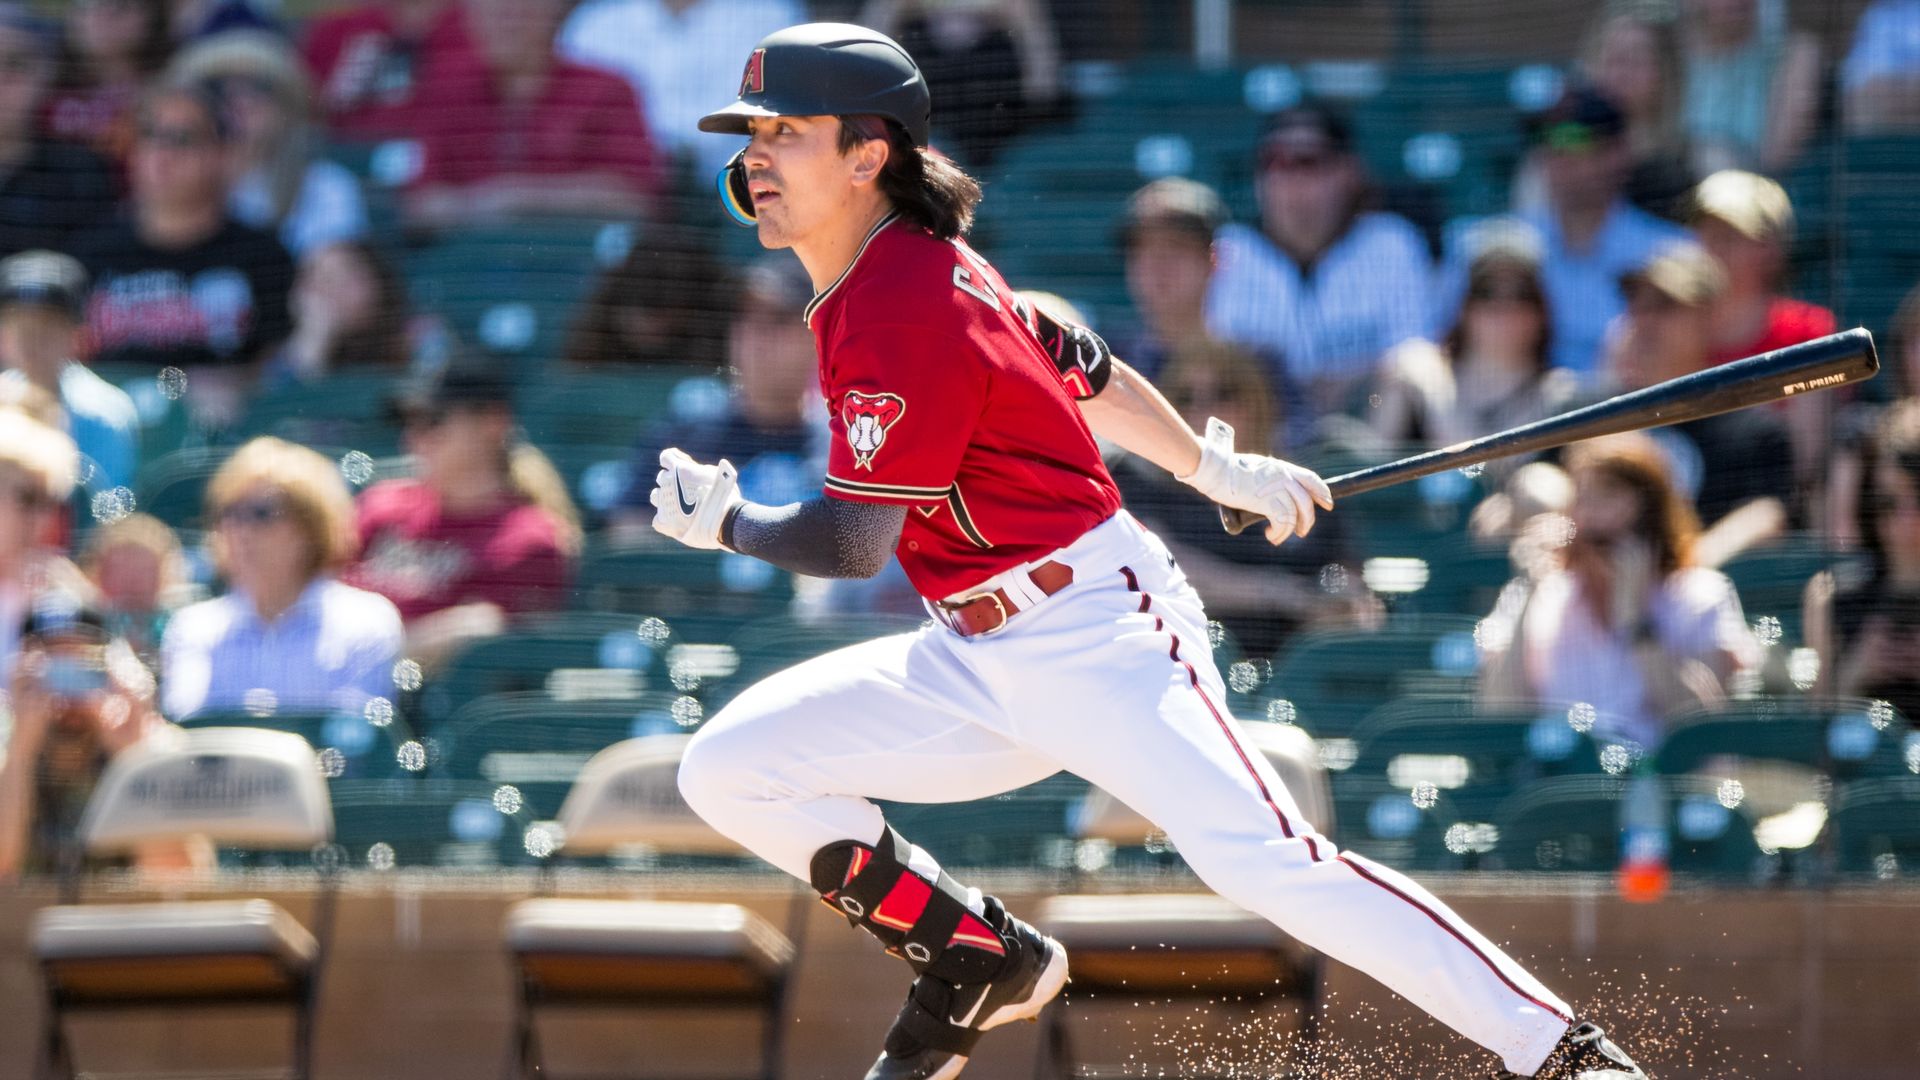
[999,604]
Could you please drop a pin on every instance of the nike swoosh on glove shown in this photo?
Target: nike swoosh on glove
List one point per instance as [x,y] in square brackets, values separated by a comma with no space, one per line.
[691,500]
[1280,491]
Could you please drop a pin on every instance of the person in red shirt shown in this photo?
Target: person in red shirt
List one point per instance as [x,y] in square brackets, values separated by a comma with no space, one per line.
[1746,221]
[1065,634]
[484,535]
[370,62]
[524,133]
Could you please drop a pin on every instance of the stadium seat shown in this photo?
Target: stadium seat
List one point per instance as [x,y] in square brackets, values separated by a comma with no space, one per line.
[1333,678]
[1848,738]
[1204,946]
[646,952]
[352,745]
[1476,754]
[173,488]
[510,289]
[1402,828]
[671,580]
[597,408]
[539,744]
[346,410]
[1572,823]
[1772,580]
[243,787]
[1464,577]
[1875,827]
[433,823]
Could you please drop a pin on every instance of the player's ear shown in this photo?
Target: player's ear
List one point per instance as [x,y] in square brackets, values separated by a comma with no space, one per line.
[869,159]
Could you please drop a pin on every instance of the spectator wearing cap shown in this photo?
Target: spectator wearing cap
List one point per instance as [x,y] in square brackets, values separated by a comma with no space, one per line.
[50,190]
[1753,84]
[371,61]
[680,56]
[78,697]
[37,466]
[1632,56]
[770,419]
[486,533]
[1493,369]
[287,634]
[1736,461]
[278,182]
[526,134]
[42,318]
[1590,234]
[1880,77]
[1325,285]
[179,283]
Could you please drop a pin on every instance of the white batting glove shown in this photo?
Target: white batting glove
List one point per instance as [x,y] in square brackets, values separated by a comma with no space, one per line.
[690,500]
[1280,491]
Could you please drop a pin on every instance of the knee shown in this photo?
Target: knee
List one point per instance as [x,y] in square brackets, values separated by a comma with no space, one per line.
[705,772]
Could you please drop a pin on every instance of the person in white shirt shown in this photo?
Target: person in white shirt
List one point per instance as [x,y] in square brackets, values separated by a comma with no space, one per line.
[1325,285]
[1620,618]
[287,636]
[1880,78]
[679,55]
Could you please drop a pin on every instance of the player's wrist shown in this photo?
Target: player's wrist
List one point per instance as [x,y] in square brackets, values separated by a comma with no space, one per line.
[1210,474]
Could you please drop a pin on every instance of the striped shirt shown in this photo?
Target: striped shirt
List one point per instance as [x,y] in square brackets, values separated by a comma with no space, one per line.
[335,648]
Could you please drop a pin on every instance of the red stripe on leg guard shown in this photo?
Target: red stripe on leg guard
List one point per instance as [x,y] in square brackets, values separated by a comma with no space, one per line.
[861,857]
[977,934]
[904,904]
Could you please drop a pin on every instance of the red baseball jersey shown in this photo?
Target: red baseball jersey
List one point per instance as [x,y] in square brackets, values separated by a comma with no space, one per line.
[941,399]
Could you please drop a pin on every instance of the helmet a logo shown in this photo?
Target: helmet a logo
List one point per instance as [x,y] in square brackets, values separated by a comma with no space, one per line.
[868,418]
[754,79]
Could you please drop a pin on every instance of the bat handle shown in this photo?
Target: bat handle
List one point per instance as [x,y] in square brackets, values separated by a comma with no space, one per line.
[1236,521]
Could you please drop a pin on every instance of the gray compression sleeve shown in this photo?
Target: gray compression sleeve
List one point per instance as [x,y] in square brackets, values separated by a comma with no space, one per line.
[824,537]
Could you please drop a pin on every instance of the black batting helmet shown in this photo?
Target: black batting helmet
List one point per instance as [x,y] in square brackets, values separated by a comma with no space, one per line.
[828,69]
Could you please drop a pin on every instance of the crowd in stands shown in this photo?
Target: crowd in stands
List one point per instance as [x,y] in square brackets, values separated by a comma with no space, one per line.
[218,203]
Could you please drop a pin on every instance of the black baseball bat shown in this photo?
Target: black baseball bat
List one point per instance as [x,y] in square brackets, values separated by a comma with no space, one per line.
[1821,364]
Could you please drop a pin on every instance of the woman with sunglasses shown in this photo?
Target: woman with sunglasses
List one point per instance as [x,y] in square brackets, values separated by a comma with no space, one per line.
[286,635]
[1491,371]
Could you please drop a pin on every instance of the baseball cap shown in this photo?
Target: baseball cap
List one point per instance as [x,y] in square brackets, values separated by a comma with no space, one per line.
[460,382]
[1752,204]
[1682,272]
[1309,129]
[1173,202]
[828,69]
[1503,241]
[44,279]
[1581,118]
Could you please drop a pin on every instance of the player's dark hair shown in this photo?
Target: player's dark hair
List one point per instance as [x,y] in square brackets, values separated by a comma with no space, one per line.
[923,185]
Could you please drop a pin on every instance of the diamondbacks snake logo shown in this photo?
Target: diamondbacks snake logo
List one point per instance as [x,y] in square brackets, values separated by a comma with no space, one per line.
[868,418]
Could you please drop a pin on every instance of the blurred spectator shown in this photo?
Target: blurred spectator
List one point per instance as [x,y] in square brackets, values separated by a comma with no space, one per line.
[680,56]
[139,576]
[1857,424]
[1622,619]
[79,697]
[350,310]
[1591,234]
[1746,222]
[371,61]
[486,533]
[112,49]
[278,183]
[49,189]
[527,134]
[656,307]
[43,298]
[1721,463]
[1880,78]
[197,20]
[1632,57]
[766,425]
[1492,370]
[1753,84]
[180,283]
[994,65]
[1261,592]
[1864,618]
[286,635]
[37,463]
[1328,286]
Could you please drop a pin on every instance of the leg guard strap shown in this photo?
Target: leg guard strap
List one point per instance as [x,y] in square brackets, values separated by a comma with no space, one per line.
[897,893]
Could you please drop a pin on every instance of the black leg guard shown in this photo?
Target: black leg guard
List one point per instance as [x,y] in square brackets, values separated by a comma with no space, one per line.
[920,915]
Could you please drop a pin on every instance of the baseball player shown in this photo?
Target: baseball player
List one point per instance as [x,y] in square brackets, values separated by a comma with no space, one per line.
[1065,637]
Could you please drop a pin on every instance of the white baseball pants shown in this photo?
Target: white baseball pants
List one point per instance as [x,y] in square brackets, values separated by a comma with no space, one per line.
[1111,679]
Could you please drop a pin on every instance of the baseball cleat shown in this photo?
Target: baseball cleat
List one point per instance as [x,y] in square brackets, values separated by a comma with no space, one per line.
[1585,1053]
[940,1022]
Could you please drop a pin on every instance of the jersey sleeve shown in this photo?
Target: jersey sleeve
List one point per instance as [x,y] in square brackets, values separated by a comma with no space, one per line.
[903,403]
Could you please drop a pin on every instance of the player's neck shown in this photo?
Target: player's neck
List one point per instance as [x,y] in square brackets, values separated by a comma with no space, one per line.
[827,256]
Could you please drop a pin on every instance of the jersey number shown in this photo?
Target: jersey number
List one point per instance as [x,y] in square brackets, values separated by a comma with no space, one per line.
[963,280]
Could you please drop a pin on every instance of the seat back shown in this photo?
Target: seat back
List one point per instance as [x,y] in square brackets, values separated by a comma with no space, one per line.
[629,794]
[239,787]
[1287,748]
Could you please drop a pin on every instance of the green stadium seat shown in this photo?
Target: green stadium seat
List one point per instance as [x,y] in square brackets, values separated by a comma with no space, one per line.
[778,642]
[1572,823]
[510,289]
[598,408]
[165,425]
[1853,737]
[1384,823]
[431,824]
[1772,580]
[173,487]
[347,410]
[1464,577]
[1334,678]
[1875,827]
[538,744]
[1024,828]
[1476,754]
[351,746]
[671,580]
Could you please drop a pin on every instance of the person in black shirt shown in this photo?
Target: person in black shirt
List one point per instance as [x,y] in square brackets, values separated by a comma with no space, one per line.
[49,190]
[177,283]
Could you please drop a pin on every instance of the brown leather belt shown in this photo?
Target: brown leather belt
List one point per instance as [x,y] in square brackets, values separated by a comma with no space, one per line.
[987,612]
